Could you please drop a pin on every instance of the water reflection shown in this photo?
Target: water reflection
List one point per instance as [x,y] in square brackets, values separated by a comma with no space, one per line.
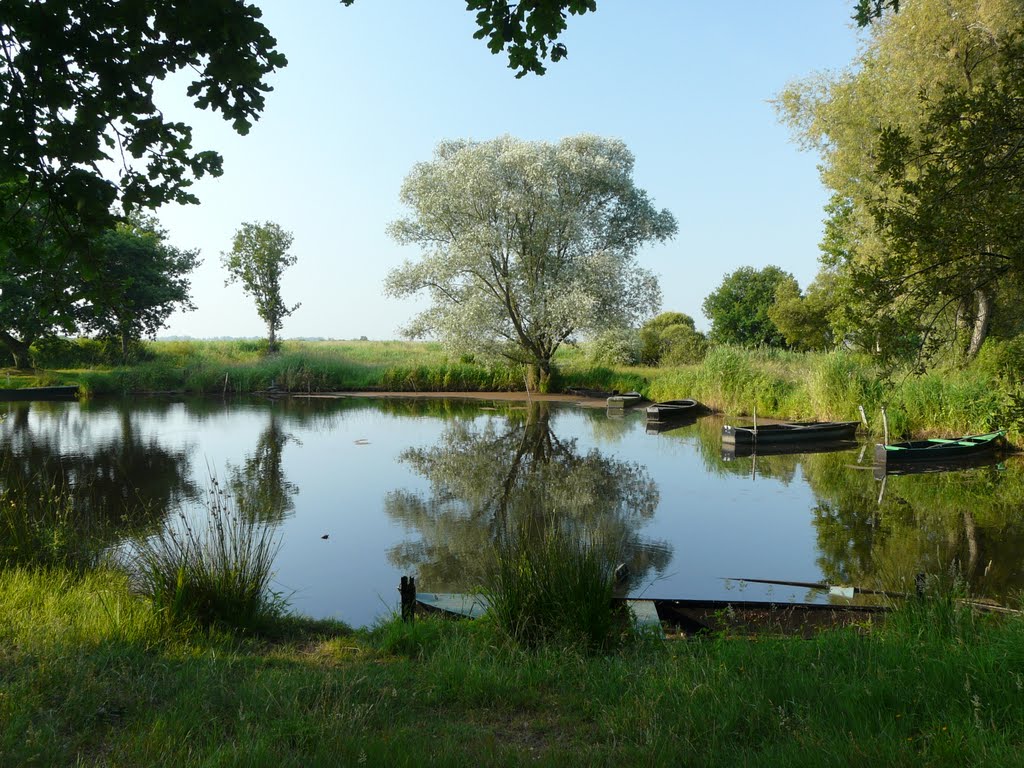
[428,486]
[512,472]
[120,479]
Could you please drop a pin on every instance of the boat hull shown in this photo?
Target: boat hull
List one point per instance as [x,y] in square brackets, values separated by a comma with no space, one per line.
[40,393]
[793,432]
[673,410]
[694,617]
[938,451]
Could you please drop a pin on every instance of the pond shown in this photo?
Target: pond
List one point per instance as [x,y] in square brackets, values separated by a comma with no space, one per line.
[365,490]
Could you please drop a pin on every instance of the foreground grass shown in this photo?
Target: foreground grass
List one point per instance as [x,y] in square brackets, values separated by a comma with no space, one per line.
[90,675]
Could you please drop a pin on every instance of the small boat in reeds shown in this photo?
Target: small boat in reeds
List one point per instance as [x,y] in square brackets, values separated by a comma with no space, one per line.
[789,432]
[69,392]
[693,617]
[673,410]
[938,450]
[625,400]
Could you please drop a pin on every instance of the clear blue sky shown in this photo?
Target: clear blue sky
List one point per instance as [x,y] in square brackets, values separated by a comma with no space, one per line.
[370,89]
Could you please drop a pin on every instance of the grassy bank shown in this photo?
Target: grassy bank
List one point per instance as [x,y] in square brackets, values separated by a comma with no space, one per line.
[987,395]
[89,674]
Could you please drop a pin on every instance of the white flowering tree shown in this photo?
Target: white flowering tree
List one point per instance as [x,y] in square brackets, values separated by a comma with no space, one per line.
[526,245]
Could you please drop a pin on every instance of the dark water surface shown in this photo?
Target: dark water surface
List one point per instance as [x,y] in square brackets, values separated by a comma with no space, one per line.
[425,486]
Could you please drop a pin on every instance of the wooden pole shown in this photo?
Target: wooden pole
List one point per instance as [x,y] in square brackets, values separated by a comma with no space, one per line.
[755,423]
[407,589]
[863,416]
[885,428]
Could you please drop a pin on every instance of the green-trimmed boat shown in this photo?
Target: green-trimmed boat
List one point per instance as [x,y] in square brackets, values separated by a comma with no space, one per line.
[938,449]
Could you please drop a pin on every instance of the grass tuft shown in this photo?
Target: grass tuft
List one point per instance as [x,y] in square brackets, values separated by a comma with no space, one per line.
[214,572]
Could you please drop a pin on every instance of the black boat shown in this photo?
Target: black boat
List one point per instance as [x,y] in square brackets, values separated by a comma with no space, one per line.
[673,410]
[938,450]
[790,432]
[69,392]
[692,617]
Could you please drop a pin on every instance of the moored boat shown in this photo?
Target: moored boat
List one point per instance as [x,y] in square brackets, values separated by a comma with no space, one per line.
[69,392]
[789,432]
[939,450]
[625,400]
[673,410]
[732,451]
[692,617]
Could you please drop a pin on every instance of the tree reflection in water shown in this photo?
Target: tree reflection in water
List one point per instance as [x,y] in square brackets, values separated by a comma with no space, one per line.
[258,484]
[508,473]
[122,484]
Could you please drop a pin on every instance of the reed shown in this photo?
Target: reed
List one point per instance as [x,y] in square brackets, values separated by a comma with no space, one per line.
[549,587]
[215,571]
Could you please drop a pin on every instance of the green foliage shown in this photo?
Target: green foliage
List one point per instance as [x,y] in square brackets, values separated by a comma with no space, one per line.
[617,346]
[739,307]
[214,571]
[143,280]
[671,338]
[549,587]
[526,246]
[529,30]
[258,257]
[77,97]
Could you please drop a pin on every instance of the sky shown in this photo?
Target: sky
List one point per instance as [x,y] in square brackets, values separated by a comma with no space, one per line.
[371,89]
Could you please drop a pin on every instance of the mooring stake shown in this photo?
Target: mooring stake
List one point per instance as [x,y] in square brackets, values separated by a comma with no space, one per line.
[407,589]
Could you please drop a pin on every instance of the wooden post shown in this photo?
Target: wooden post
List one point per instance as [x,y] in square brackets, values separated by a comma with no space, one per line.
[885,428]
[407,589]
[225,385]
[755,423]
[863,416]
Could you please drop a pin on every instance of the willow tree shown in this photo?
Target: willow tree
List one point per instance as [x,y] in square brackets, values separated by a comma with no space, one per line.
[527,245]
[920,141]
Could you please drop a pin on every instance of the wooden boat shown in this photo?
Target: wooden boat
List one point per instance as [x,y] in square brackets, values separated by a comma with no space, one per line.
[977,461]
[693,617]
[69,392]
[657,427]
[673,410]
[625,400]
[790,432]
[938,450]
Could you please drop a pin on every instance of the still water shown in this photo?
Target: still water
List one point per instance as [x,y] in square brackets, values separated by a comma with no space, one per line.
[365,490]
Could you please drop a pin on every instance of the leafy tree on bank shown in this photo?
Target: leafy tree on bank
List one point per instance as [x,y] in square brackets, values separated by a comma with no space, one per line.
[257,259]
[671,338]
[805,318]
[138,281]
[920,142]
[738,308]
[39,284]
[526,245]
[76,93]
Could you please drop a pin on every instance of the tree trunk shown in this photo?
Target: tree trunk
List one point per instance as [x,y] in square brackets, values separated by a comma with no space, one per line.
[538,376]
[272,339]
[981,321]
[20,350]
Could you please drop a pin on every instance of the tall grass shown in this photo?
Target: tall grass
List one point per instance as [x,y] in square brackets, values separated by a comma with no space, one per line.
[214,571]
[550,587]
[42,526]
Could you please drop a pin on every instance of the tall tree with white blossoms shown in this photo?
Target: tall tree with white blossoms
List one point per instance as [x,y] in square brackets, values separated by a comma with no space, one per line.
[526,245]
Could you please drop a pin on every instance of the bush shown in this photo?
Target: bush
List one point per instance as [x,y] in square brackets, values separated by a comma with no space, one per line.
[618,346]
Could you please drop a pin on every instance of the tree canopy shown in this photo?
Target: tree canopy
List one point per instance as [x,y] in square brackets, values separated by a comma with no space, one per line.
[738,308]
[257,259]
[527,244]
[139,280]
[920,142]
[77,97]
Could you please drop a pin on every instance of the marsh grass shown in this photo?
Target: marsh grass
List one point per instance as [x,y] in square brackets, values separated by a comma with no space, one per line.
[43,526]
[549,587]
[212,570]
